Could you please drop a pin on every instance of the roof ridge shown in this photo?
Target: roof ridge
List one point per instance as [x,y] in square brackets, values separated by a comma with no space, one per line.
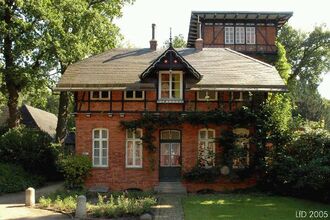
[248,57]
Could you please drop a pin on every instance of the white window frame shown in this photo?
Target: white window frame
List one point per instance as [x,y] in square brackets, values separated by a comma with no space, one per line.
[204,99]
[207,140]
[100,140]
[134,95]
[229,35]
[250,35]
[170,85]
[100,95]
[135,141]
[239,35]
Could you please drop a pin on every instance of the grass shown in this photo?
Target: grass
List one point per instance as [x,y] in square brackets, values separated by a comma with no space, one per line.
[247,206]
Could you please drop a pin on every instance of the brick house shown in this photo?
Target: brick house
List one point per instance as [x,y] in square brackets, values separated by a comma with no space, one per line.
[223,67]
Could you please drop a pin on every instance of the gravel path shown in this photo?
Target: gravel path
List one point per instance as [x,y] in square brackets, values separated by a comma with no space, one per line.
[12,206]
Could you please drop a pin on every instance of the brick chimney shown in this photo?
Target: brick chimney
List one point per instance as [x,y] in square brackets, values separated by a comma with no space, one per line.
[199,41]
[153,41]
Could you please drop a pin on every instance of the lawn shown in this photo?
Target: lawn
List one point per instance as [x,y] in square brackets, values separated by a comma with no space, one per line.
[248,206]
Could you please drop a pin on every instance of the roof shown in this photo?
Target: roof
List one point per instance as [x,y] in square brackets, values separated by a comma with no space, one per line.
[220,68]
[164,54]
[35,117]
[277,18]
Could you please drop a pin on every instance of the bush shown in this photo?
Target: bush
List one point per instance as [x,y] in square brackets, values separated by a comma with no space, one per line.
[32,149]
[75,168]
[108,205]
[121,206]
[201,174]
[14,179]
[302,167]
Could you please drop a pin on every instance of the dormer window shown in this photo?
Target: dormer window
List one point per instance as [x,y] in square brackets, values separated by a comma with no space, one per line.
[100,95]
[170,85]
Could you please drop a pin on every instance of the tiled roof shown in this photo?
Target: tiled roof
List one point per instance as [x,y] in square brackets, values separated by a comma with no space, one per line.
[45,121]
[219,68]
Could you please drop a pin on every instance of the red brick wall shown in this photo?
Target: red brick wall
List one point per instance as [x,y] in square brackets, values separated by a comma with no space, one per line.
[116,176]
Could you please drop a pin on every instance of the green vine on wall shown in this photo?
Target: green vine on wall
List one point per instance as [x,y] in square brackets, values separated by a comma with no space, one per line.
[151,122]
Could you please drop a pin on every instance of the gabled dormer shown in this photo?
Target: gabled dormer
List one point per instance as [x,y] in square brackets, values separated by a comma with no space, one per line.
[247,32]
[170,72]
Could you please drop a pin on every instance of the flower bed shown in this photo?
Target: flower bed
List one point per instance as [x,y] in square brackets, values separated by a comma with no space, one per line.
[107,205]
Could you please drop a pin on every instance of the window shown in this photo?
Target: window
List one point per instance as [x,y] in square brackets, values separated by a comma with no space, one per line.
[134,148]
[100,95]
[100,147]
[240,96]
[170,85]
[242,160]
[170,148]
[240,35]
[229,35]
[134,95]
[250,35]
[207,95]
[206,147]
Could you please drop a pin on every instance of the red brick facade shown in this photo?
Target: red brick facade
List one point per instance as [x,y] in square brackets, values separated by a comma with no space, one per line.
[116,176]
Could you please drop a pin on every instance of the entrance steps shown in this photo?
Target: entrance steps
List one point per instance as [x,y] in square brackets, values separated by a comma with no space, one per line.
[170,188]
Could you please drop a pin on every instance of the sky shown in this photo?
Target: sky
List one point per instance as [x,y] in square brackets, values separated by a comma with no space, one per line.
[135,24]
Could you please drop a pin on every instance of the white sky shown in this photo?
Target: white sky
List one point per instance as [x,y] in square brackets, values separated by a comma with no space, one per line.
[136,22]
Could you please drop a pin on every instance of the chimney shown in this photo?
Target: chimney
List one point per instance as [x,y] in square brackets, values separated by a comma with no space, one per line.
[199,40]
[153,41]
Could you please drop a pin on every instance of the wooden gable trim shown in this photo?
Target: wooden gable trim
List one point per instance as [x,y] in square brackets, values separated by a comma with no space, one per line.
[148,71]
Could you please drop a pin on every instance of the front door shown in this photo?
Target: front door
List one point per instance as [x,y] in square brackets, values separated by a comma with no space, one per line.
[170,156]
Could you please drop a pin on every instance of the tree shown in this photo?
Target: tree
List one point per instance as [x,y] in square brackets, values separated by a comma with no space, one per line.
[309,57]
[280,105]
[178,42]
[22,50]
[42,35]
[78,29]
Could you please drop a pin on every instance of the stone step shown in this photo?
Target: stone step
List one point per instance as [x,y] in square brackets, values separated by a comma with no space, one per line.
[170,187]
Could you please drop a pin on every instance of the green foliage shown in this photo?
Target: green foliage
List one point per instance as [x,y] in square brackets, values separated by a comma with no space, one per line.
[32,149]
[121,206]
[177,42]
[13,178]
[301,167]
[309,56]
[151,122]
[281,64]
[109,205]
[75,168]
[201,174]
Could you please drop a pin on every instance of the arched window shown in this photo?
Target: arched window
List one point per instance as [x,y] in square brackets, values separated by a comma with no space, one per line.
[100,147]
[206,147]
[134,148]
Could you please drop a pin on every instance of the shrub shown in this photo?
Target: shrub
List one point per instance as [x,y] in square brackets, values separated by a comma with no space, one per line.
[121,206]
[13,179]
[201,174]
[75,168]
[30,148]
[302,167]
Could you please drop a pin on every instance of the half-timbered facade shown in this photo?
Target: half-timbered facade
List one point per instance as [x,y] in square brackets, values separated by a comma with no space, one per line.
[123,84]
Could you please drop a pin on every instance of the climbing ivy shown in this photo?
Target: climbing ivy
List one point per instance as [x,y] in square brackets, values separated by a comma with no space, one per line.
[243,117]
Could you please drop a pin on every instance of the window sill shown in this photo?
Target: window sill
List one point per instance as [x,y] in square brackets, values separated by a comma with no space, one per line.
[134,168]
[100,167]
[170,101]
